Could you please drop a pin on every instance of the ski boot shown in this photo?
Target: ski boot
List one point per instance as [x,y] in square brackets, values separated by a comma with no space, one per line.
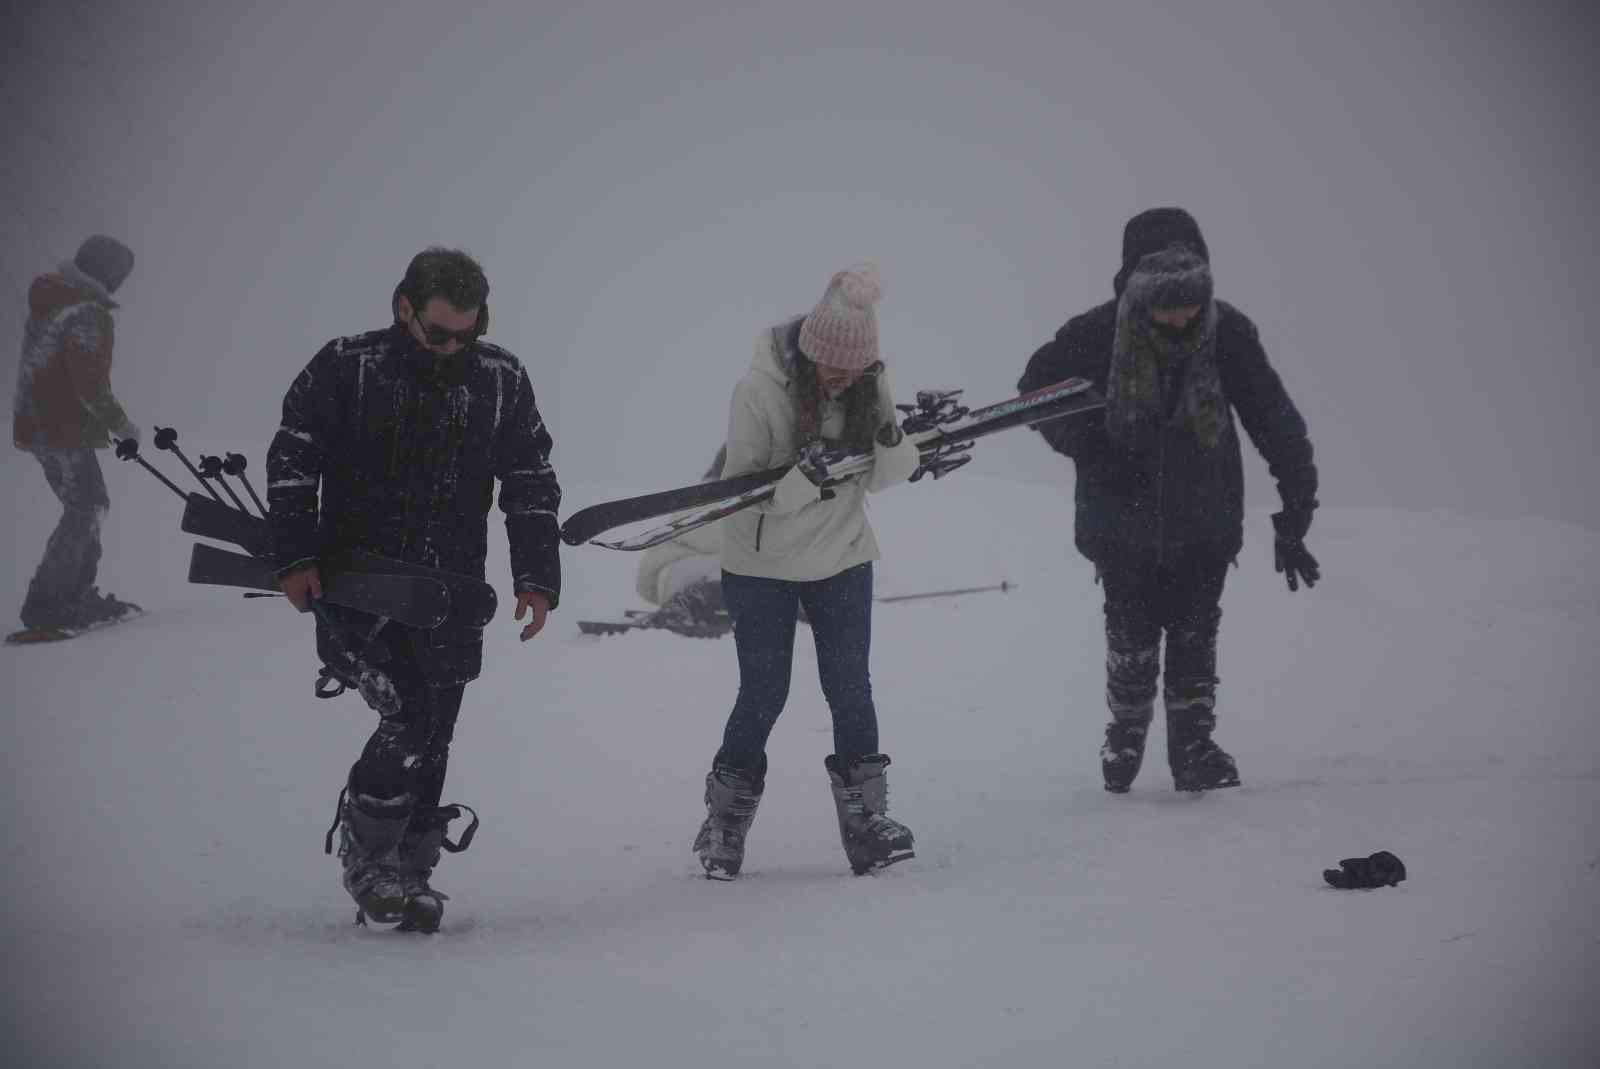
[861,796]
[370,830]
[1123,752]
[419,855]
[1198,763]
[732,795]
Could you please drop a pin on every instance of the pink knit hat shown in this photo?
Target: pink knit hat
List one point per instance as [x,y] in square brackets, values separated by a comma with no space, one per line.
[842,330]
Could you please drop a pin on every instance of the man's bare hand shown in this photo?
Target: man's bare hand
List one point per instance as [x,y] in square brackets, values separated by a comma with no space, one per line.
[539,603]
[302,587]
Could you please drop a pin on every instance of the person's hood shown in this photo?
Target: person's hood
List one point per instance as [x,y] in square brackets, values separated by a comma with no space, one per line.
[69,285]
[775,351]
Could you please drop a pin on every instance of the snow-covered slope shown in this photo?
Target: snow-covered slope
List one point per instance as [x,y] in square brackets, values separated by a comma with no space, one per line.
[169,782]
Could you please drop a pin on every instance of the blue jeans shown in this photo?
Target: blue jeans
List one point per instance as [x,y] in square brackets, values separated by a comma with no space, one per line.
[764,616]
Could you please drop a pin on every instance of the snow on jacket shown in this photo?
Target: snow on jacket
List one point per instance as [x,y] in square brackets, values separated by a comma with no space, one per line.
[64,398]
[406,447]
[823,538]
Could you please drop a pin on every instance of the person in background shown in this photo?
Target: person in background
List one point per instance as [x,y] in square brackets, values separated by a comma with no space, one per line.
[63,413]
[816,381]
[1160,485]
[683,577]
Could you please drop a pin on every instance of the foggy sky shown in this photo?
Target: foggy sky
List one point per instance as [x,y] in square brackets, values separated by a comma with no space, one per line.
[1396,194]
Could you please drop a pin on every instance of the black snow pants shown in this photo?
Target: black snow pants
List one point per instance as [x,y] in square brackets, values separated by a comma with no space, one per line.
[408,753]
[1179,596]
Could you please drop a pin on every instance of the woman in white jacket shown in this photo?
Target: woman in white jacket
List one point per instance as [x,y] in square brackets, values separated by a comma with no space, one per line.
[814,379]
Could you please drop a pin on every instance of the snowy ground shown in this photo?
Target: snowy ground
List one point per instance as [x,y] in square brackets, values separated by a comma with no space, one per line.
[169,783]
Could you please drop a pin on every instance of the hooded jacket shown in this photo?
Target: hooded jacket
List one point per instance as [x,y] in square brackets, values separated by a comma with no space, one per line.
[1172,492]
[64,398]
[823,538]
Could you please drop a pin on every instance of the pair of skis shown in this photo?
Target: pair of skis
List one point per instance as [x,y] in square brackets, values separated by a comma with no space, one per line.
[942,428]
[409,594]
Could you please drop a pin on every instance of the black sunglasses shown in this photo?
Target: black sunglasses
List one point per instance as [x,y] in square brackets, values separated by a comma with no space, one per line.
[436,335]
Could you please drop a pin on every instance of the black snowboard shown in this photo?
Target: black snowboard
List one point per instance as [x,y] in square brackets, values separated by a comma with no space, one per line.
[415,601]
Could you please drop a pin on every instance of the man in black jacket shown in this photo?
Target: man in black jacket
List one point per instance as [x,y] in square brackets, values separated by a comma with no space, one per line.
[1160,484]
[406,429]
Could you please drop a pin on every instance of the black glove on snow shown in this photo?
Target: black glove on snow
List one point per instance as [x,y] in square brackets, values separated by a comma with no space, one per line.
[1289,554]
[1382,869]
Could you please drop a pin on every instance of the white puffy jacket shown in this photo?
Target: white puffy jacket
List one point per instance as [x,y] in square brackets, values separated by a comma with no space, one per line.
[823,538]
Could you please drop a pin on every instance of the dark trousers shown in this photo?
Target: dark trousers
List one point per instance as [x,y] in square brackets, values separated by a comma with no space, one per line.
[72,555]
[1179,597]
[409,751]
[764,619]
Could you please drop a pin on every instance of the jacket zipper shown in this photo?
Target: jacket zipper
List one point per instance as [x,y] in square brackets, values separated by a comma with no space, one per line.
[761,521]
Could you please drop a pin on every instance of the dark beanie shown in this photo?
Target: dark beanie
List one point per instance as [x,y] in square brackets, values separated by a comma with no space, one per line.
[106,260]
[1154,230]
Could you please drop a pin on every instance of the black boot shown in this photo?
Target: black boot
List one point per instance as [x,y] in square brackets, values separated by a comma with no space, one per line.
[861,796]
[1198,763]
[1123,753]
[419,855]
[732,795]
[370,830]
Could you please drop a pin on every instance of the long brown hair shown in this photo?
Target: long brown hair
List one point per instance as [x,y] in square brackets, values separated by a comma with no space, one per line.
[861,415]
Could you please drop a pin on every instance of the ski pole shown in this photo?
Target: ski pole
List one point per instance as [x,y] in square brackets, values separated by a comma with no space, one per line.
[128,449]
[167,438]
[211,468]
[1002,585]
[234,465]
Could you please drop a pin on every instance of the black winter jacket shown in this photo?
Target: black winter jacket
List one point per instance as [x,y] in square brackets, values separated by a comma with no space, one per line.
[406,447]
[1178,494]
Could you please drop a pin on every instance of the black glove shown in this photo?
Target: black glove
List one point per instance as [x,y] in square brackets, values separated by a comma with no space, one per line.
[1382,869]
[1289,554]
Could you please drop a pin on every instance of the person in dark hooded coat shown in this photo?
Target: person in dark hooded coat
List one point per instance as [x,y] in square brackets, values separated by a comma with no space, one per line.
[1160,485]
[63,412]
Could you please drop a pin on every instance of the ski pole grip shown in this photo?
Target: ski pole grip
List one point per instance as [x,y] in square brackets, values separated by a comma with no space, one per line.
[127,448]
[211,466]
[165,437]
[235,463]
